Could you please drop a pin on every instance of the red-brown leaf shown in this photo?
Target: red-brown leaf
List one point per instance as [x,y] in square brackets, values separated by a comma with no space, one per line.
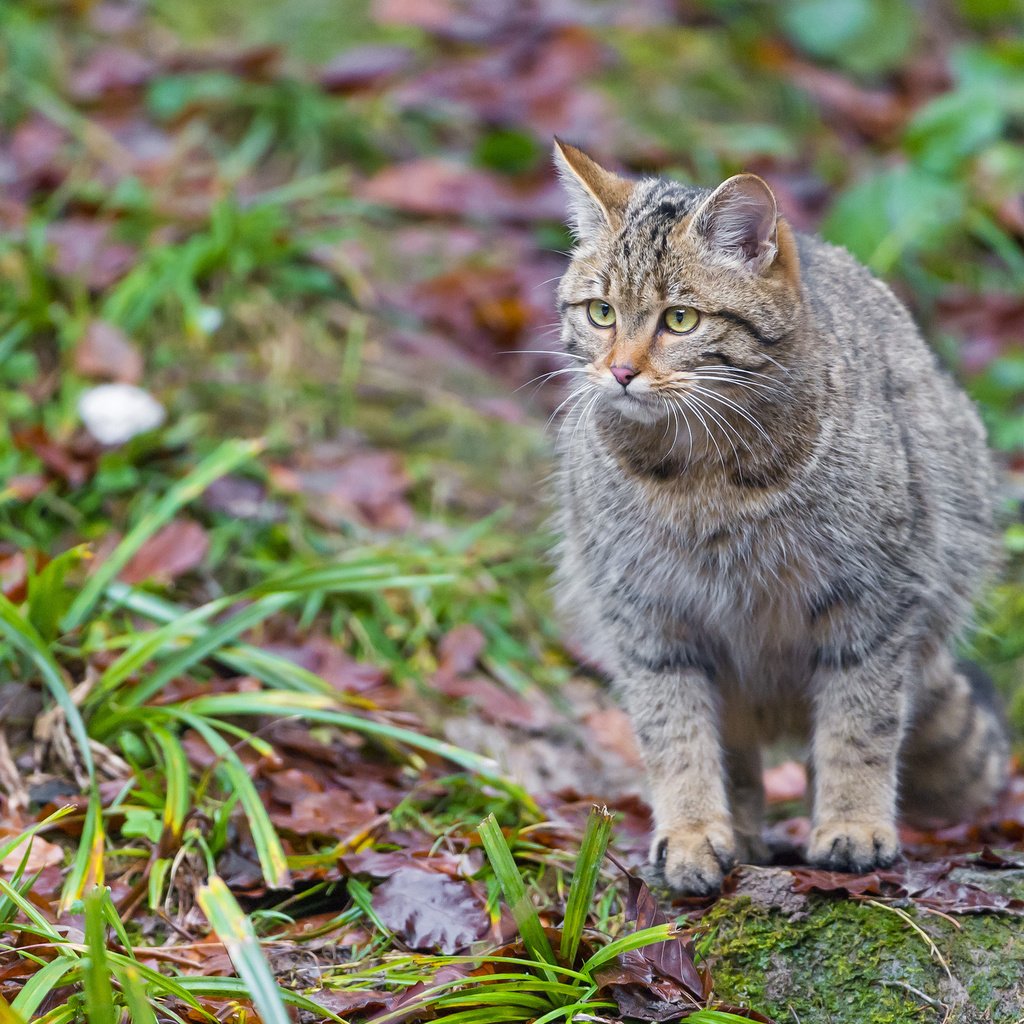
[176,549]
[105,353]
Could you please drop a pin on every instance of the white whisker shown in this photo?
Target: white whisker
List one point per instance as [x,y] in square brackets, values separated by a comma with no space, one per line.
[553,373]
[581,390]
[707,393]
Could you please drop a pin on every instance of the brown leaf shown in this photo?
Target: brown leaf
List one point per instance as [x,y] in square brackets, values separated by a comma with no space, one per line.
[428,911]
[74,459]
[438,187]
[333,813]
[368,487]
[495,702]
[459,649]
[82,249]
[536,79]
[41,855]
[176,549]
[109,70]
[104,352]
[364,66]
[927,884]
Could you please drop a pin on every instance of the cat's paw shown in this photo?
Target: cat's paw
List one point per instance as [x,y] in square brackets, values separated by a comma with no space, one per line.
[854,846]
[693,860]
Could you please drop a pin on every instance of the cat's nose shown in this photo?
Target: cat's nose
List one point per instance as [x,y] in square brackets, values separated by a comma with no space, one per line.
[623,374]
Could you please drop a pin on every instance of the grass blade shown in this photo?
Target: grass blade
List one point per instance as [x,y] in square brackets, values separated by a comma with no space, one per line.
[264,836]
[320,708]
[22,635]
[99,993]
[635,940]
[137,999]
[232,988]
[227,457]
[8,1015]
[205,644]
[584,881]
[234,929]
[87,869]
[42,983]
[514,891]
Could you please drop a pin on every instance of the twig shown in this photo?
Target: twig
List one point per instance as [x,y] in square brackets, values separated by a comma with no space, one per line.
[10,777]
[923,996]
[947,917]
[920,931]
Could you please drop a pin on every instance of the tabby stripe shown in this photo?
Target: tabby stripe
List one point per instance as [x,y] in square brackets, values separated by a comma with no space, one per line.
[751,329]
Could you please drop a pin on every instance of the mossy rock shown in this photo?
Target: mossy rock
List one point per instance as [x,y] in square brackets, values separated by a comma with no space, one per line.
[816,960]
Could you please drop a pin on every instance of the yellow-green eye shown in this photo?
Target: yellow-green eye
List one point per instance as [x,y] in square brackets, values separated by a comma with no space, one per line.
[600,313]
[681,319]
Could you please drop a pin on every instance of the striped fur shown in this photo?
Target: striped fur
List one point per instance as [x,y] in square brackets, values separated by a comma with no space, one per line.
[790,550]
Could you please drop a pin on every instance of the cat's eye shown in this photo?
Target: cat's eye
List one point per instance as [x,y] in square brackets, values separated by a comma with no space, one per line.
[600,313]
[681,319]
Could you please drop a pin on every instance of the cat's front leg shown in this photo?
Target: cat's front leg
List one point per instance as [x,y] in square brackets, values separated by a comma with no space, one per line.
[858,727]
[675,713]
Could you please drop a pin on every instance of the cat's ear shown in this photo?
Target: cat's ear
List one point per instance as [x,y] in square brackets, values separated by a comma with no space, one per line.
[739,223]
[596,197]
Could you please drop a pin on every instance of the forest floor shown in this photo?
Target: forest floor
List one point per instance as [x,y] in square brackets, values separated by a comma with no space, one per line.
[287,728]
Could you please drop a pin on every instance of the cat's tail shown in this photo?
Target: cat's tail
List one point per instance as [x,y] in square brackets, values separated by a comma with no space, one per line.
[955,757]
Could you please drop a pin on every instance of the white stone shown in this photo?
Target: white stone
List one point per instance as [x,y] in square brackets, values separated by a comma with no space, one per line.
[115,413]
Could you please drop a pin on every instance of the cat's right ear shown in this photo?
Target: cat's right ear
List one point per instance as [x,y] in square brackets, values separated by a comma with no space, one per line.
[596,197]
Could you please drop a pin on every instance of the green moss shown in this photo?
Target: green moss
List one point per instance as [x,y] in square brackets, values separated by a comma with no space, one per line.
[846,962]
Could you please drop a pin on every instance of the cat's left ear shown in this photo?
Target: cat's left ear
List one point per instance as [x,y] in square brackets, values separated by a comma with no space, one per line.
[597,197]
[739,223]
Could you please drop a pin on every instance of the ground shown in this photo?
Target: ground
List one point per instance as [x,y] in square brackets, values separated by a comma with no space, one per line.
[287,725]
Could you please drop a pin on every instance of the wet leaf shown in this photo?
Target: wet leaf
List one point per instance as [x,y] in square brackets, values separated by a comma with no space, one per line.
[428,911]
[171,552]
[104,352]
[83,249]
[364,66]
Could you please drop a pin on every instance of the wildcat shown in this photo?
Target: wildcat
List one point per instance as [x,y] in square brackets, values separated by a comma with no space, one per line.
[775,511]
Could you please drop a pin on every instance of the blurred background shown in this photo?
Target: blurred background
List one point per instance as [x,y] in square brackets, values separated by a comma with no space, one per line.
[314,245]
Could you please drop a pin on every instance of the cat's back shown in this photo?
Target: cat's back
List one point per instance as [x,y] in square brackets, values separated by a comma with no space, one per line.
[904,430]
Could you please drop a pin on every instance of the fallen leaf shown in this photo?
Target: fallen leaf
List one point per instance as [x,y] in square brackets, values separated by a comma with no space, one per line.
[178,548]
[613,730]
[493,701]
[42,854]
[367,487]
[334,813]
[111,69]
[459,649]
[105,352]
[67,458]
[926,884]
[659,982]
[364,66]
[440,187]
[82,249]
[428,911]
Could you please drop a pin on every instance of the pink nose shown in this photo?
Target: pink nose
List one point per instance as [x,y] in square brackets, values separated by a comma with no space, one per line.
[623,374]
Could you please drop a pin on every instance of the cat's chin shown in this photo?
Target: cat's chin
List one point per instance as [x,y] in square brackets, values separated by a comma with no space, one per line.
[639,409]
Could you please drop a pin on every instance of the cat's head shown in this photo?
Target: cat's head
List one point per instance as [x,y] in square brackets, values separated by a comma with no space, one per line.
[674,291]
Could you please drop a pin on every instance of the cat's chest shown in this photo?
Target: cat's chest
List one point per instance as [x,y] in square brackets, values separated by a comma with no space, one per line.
[730,568]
